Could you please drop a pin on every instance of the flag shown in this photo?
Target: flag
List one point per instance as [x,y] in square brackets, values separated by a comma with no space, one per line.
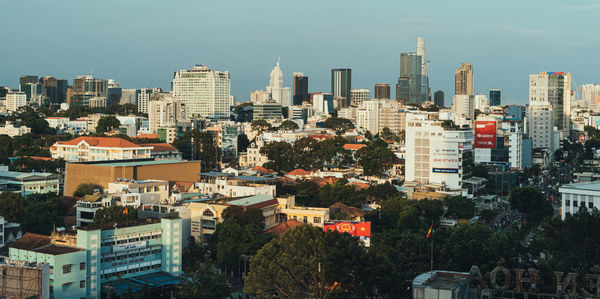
[125,211]
[429,232]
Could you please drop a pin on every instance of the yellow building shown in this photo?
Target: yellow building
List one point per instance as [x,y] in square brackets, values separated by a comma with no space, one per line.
[104,172]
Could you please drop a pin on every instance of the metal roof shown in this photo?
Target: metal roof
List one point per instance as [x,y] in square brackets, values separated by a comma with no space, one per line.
[251,200]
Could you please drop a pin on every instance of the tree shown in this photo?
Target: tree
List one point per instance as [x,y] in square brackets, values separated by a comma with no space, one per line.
[304,150]
[340,191]
[87,189]
[339,125]
[330,153]
[12,206]
[27,116]
[42,213]
[203,281]
[531,202]
[196,145]
[115,214]
[260,126]
[280,154]
[386,134]
[242,143]
[288,125]
[107,124]
[308,262]
[375,158]
[460,207]
[381,192]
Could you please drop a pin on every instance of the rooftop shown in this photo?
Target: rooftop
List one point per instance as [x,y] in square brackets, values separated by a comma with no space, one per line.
[441,280]
[281,228]
[132,162]
[250,200]
[592,186]
[41,244]
[101,142]
[161,147]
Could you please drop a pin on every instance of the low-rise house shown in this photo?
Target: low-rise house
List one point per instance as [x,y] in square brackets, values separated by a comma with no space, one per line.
[99,149]
[27,183]
[163,151]
[229,185]
[12,131]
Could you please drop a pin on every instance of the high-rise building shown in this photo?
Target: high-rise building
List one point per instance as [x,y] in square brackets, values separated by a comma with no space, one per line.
[382,91]
[437,153]
[27,79]
[86,87]
[341,85]
[143,98]
[438,98]
[14,100]
[114,93]
[495,97]
[541,125]
[279,94]
[300,89]
[322,102]
[463,107]
[409,86]
[50,90]
[424,69]
[376,114]
[481,102]
[590,94]
[358,96]
[164,110]
[464,80]
[33,92]
[205,93]
[129,96]
[554,88]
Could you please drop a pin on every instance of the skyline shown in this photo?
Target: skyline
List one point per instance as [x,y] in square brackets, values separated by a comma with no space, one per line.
[134,43]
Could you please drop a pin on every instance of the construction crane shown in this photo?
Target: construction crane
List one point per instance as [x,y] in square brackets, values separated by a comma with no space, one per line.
[577,89]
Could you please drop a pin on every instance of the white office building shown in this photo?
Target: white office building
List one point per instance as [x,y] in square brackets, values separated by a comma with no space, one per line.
[374,115]
[481,102]
[14,100]
[463,107]
[435,154]
[205,93]
[357,96]
[574,196]
[167,110]
[541,125]
[143,98]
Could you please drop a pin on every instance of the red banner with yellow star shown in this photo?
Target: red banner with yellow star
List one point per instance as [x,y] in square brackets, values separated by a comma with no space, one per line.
[358,229]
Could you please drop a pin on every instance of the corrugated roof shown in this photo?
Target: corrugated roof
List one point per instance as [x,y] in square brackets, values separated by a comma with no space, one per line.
[251,200]
[161,147]
[298,171]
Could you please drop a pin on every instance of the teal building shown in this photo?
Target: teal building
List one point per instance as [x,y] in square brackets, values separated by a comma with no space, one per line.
[85,263]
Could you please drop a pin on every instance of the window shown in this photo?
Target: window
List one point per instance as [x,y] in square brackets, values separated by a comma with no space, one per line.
[66,269]
[82,284]
[567,202]
[305,219]
[591,205]
[574,203]
[81,266]
[317,220]
[51,270]
[208,212]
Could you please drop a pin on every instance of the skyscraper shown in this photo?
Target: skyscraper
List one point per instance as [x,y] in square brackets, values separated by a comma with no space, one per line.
[205,93]
[464,80]
[300,89]
[438,98]
[495,97]
[27,79]
[424,69]
[382,91]
[553,88]
[86,87]
[409,86]
[341,84]
[279,94]
[357,96]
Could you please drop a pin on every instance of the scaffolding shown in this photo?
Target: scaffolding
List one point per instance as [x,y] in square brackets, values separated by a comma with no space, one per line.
[19,279]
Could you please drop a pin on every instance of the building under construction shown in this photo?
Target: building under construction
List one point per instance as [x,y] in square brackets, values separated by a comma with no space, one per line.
[24,280]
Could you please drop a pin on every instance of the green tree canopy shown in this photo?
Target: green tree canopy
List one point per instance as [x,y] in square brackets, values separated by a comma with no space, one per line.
[115,214]
[87,189]
[107,124]
[531,202]
[460,207]
[375,158]
[306,261]
[260,126]
[280,154]
[338,124]
[288,125]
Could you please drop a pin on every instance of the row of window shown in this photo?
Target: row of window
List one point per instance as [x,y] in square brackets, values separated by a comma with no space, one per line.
[575,204]
[68,268]
[305,219]
[130,255]
[134,270]
[111,242]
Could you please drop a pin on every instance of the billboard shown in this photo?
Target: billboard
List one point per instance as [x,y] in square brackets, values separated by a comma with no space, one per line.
[485,134]
[444,158]
[362,230]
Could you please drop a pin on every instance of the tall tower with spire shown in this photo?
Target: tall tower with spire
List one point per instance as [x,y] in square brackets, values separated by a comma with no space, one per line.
[279,94]
[424,69]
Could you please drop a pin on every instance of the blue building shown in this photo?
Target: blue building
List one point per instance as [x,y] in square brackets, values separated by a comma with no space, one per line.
[92,260]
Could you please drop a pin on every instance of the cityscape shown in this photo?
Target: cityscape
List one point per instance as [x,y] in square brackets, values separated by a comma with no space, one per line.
[341,183]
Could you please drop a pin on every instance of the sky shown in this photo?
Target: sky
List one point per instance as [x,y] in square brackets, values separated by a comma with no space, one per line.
[141,43]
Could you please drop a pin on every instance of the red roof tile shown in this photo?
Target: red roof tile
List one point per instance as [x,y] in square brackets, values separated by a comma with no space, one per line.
[281,228]
[100,142]
[298,171]
[38,158]
[183,187]
[359,185]
[354,146]
[262,169]
[161,147]
[149,136]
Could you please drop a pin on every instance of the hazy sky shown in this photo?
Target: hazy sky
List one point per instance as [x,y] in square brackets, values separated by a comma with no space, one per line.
[141,43]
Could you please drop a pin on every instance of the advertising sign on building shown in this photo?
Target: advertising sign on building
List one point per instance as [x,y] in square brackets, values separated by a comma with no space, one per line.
[485,134]
[362,230]
[444,158]
[129,246]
